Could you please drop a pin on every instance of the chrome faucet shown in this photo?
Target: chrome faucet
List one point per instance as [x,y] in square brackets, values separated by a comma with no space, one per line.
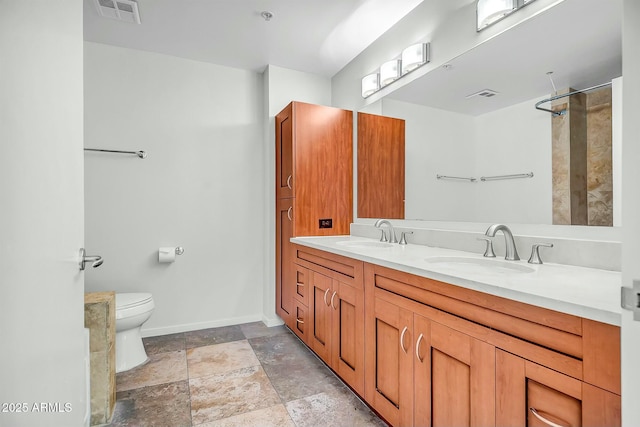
[512,252]
[392,234]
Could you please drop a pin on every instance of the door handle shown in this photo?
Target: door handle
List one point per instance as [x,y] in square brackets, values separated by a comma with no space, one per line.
[94,260]
[543,419]
[404,331]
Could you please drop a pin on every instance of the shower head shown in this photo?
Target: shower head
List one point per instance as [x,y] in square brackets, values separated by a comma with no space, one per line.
[141,154]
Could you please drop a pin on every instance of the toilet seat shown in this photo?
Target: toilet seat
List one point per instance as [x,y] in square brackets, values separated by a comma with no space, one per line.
[133,304]
[130,300]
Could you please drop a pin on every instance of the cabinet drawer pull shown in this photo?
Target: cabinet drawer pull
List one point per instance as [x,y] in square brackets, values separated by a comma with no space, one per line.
[299,284]
[420,338]
[544,420]
[332,297]
[299,320]
[404,331]
[289,213]
[325,297]
[289,182]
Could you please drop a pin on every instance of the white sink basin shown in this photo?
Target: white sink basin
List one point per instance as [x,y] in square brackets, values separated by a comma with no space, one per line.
[478,265]
[364,244]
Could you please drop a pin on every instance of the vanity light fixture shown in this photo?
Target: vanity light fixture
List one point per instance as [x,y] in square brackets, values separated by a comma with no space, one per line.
[490,11]
[414,56]
[389,72]
[370,84]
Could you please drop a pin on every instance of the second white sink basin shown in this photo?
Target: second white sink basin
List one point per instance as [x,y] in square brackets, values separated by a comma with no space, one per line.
[479,265]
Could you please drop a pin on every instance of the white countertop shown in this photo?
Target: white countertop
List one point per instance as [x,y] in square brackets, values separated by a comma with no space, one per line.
[586,292]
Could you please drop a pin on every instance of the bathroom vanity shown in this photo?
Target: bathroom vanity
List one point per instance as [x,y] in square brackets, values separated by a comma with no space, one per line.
[431,336]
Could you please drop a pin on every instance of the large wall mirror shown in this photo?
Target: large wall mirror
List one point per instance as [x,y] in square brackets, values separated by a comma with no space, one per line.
[475,118]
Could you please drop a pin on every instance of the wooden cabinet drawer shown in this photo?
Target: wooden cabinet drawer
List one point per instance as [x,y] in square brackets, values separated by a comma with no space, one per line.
[558,331]
[346,270]
[301,292]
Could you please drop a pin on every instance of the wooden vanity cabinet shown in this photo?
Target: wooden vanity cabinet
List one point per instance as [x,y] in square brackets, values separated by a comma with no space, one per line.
[424,373]
[528,394]
[336,312]
[314,190]
[440,355]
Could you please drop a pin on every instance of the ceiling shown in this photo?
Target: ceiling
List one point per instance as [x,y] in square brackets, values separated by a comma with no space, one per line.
[580,41]
[315,36]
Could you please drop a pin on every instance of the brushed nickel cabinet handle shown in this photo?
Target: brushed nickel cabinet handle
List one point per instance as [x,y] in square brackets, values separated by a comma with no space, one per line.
[289,182]
[544,420]
[332,297]
[325,297]
[299,284]
[289,213]
[404,331]
[300,321]
[420,338]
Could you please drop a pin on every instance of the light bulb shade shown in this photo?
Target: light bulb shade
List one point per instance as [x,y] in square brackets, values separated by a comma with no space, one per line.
[490,11]
[389,72]
[414,56]
[370,85]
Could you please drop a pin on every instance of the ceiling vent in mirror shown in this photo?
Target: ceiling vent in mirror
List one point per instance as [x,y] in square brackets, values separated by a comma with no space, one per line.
[485,93]
[122,10]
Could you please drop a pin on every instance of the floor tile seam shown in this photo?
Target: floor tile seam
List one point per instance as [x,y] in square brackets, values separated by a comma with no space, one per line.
[154,385]
[188,347]
[227,372]
[245,413]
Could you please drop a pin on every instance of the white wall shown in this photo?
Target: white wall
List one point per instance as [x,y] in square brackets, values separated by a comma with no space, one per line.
[281,86]
[631,208]
[41,220]
[512,140]
[437,142]
[201,186]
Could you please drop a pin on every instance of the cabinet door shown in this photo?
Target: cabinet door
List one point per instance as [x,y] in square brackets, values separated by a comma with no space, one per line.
[454,377]
[320,332]
[528,394]
[347,305]
[302,284]
[381,157]
[285,277]
[323,169]
[284,153]
[389,363]
[300,320]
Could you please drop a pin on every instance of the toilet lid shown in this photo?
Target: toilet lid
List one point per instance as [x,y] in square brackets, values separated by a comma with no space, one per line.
[129,300]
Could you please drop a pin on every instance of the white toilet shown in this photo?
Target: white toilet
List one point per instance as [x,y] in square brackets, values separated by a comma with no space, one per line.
[132,310]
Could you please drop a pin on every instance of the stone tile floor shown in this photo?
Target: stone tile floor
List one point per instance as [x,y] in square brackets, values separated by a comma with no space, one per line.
[244,375]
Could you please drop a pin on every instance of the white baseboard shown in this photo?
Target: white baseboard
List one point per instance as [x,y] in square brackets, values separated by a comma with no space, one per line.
[174,329]
[272,321]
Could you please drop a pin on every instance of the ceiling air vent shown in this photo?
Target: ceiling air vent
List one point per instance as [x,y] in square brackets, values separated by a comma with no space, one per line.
[486,93]
[122,10]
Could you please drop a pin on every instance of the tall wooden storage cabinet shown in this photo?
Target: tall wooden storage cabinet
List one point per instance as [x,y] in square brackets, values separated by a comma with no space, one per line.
[314,188]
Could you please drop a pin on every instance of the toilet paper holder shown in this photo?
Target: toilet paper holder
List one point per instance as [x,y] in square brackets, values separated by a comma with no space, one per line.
[168,254]
[179,250]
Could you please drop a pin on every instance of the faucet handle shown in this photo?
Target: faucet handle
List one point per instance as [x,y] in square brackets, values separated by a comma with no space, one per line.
[488,252]
[403,238]
[535,252]
[383,237]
